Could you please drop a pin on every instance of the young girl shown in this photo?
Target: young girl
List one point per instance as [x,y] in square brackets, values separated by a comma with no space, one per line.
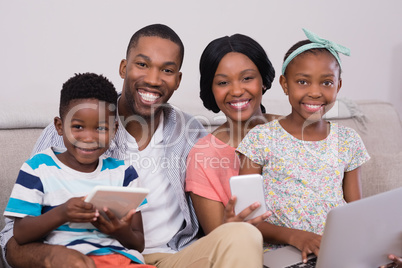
[235,73]
[309,165]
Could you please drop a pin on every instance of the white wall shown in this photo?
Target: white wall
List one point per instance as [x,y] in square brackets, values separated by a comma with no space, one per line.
[43,43]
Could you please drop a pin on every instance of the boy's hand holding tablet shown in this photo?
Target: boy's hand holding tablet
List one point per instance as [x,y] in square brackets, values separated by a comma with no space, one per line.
[119,200]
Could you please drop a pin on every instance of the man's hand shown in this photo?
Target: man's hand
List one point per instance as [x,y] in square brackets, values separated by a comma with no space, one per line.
[60,256]
[45,255]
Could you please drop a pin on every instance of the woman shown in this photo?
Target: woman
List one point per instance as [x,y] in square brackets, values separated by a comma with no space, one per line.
[235,73]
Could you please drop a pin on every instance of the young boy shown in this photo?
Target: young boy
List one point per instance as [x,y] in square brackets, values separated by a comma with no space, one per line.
[50,189]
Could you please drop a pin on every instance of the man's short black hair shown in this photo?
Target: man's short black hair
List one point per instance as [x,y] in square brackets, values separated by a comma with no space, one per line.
[157,30]
[86,86]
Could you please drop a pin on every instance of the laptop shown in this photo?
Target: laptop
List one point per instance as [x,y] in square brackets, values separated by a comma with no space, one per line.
[359,234]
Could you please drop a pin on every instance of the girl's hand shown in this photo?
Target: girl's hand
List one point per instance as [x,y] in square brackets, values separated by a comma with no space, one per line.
[114,226]
[306,242]
[396,262]
[230,216]
[77,210]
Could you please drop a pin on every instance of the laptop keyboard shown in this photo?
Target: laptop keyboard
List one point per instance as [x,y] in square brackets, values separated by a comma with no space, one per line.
[309,264]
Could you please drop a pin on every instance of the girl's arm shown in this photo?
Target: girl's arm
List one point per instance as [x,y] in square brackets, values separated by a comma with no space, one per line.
[306,242]
[352,189]
[211,213]
[30,229]
[127,230]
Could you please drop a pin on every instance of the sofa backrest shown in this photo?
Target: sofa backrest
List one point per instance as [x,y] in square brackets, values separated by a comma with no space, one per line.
[381,133]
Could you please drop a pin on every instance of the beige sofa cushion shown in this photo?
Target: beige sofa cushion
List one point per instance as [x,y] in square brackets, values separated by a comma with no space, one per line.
[16,147]
[382,173]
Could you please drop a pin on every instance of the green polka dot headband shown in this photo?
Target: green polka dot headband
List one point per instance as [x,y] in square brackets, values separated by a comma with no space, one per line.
[317,42]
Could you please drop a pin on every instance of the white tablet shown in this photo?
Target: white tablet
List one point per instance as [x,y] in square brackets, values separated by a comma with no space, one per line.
[120,200]
[248,189]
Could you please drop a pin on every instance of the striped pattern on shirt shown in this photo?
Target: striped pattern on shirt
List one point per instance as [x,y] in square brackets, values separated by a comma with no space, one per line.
[44,183]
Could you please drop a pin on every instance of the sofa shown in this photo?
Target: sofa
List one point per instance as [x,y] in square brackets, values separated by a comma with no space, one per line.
[377,122]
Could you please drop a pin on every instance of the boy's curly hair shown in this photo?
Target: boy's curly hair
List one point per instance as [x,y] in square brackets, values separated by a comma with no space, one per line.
[86,86]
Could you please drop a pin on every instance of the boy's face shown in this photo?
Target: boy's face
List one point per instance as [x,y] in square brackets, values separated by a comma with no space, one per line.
[87,129]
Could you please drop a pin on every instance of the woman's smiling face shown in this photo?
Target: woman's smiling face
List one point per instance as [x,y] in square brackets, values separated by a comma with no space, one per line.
[237,87]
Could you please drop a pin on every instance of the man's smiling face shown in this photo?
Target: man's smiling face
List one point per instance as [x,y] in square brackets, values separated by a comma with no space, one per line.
[151,74]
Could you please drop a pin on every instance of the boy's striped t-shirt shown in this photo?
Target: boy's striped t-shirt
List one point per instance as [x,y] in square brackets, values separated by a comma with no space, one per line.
[44,183]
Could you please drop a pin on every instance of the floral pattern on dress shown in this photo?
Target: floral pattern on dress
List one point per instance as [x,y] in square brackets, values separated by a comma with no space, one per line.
[303,179]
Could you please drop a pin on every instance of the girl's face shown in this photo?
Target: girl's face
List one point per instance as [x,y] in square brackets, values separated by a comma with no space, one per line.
[312,82]
[87,129]
[237,87]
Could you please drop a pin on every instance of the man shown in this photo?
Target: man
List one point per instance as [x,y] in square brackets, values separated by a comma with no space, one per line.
[156,138]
